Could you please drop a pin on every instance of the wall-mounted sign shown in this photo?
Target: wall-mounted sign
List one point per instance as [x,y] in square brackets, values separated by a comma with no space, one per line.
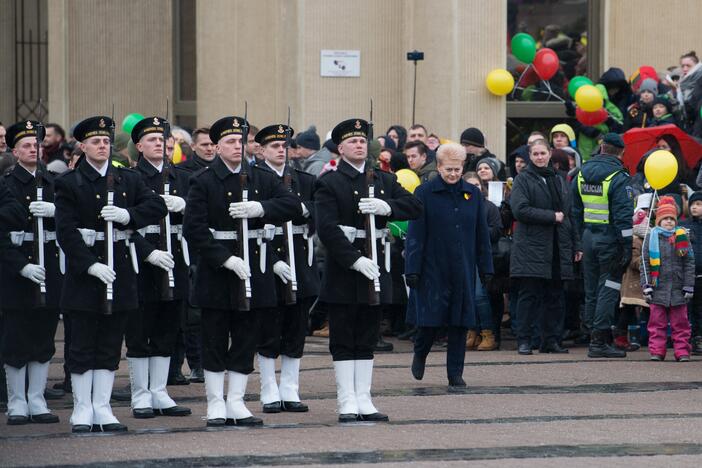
[340,63]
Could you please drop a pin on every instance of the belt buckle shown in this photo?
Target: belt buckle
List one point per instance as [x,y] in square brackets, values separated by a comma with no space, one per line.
[268,232]
[17,238]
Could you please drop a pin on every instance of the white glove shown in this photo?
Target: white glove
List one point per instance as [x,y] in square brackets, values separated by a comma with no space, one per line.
[374,206]
[367,268]
[42,209]
[173,203]
[249,209]
[283,271]
[34,272]
[161,259]
[115,214]
[102,272]
[305,211]
[238,266]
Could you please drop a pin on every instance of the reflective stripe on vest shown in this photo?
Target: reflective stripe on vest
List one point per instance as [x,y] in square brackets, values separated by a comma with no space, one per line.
[595,199]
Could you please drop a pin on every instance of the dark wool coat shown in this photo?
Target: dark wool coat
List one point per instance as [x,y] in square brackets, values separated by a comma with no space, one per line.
[446,247]
[533,239]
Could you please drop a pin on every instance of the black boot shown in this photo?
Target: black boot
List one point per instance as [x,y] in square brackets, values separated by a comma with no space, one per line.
[697,345]
[599,348]
[553,347]
[418,365]
[383,346]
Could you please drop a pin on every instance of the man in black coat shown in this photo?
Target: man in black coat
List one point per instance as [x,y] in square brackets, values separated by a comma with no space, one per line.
[30,282]
[83,210]
[221,198]
[189,338]
[163,278]
[283,331]
[350,277]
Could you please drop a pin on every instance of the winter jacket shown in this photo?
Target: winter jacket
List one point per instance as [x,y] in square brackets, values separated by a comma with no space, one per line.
[614,78]
[427,172]
[675,273]
[621,203]
[694,226]
[631,289]
[532,252]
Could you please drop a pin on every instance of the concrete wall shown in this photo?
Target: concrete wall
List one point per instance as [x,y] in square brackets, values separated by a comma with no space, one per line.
[268,53]
[103,52]
[650,32]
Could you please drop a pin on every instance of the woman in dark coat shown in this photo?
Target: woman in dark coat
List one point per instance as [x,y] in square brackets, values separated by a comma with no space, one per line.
[543,249]
[445,248]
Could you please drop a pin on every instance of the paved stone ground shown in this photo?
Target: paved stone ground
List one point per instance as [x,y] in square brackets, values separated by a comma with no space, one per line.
[540,410]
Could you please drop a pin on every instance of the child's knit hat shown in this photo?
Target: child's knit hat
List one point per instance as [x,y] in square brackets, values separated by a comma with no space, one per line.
[667,208]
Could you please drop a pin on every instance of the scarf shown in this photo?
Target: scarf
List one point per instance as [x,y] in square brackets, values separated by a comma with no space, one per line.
[549,174]
[682,248]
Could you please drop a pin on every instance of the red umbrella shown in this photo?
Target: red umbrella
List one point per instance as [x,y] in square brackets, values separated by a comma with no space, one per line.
[638,141]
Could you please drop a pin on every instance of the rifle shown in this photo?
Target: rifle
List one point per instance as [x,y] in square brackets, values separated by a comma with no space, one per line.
[291,287]
[168,282]
[109,232]
[371,245]
[244,303]
[38,220]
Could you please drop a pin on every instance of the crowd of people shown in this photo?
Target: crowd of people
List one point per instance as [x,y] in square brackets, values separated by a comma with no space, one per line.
[558,245]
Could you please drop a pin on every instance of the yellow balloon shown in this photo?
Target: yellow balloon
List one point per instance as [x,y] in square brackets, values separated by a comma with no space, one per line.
[589,98]
[499,82]
[408,179]
[177,156]
[660,169]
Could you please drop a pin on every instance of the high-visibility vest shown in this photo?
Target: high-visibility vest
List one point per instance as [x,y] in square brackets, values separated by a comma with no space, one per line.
[595,199]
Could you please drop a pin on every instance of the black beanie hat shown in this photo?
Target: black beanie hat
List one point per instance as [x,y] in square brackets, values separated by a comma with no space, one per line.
[309,139]
[664,101]
[473,136]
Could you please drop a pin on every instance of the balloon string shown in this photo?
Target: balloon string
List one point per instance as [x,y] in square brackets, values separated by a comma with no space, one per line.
[516,86]
[648,229]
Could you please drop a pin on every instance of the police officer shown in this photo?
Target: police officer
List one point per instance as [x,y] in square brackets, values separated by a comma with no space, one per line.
[97,325]
[30,286]
[163,278]
[602,211]
[212,225]
[283,331]
[341,205]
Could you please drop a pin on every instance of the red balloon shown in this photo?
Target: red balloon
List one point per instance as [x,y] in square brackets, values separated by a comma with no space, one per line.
[591,118]
[546,63]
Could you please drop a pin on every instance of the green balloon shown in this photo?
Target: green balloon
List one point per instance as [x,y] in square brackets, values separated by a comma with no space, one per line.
[129,121]
[576,83]
[398,228]
[524,47]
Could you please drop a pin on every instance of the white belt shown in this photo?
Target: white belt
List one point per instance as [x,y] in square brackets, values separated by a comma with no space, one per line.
[18,238]
[156,229]
[383,235]
[304,230]
[91,235]
[260,234]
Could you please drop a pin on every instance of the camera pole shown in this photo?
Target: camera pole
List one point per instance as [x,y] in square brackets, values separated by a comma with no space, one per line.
[414,56]
[414,91]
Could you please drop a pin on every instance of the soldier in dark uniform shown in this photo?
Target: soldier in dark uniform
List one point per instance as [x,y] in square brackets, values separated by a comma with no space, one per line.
[29,290]
[341,203]
[283,331]
[211,217]
[190,336]
[163,279]
[12,214]
[82,210]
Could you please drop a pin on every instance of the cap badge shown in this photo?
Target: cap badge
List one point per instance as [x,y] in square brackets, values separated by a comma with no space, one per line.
[236,123]
[156,122]
[281,129]
[29,125]
[101,124]
[358,125]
